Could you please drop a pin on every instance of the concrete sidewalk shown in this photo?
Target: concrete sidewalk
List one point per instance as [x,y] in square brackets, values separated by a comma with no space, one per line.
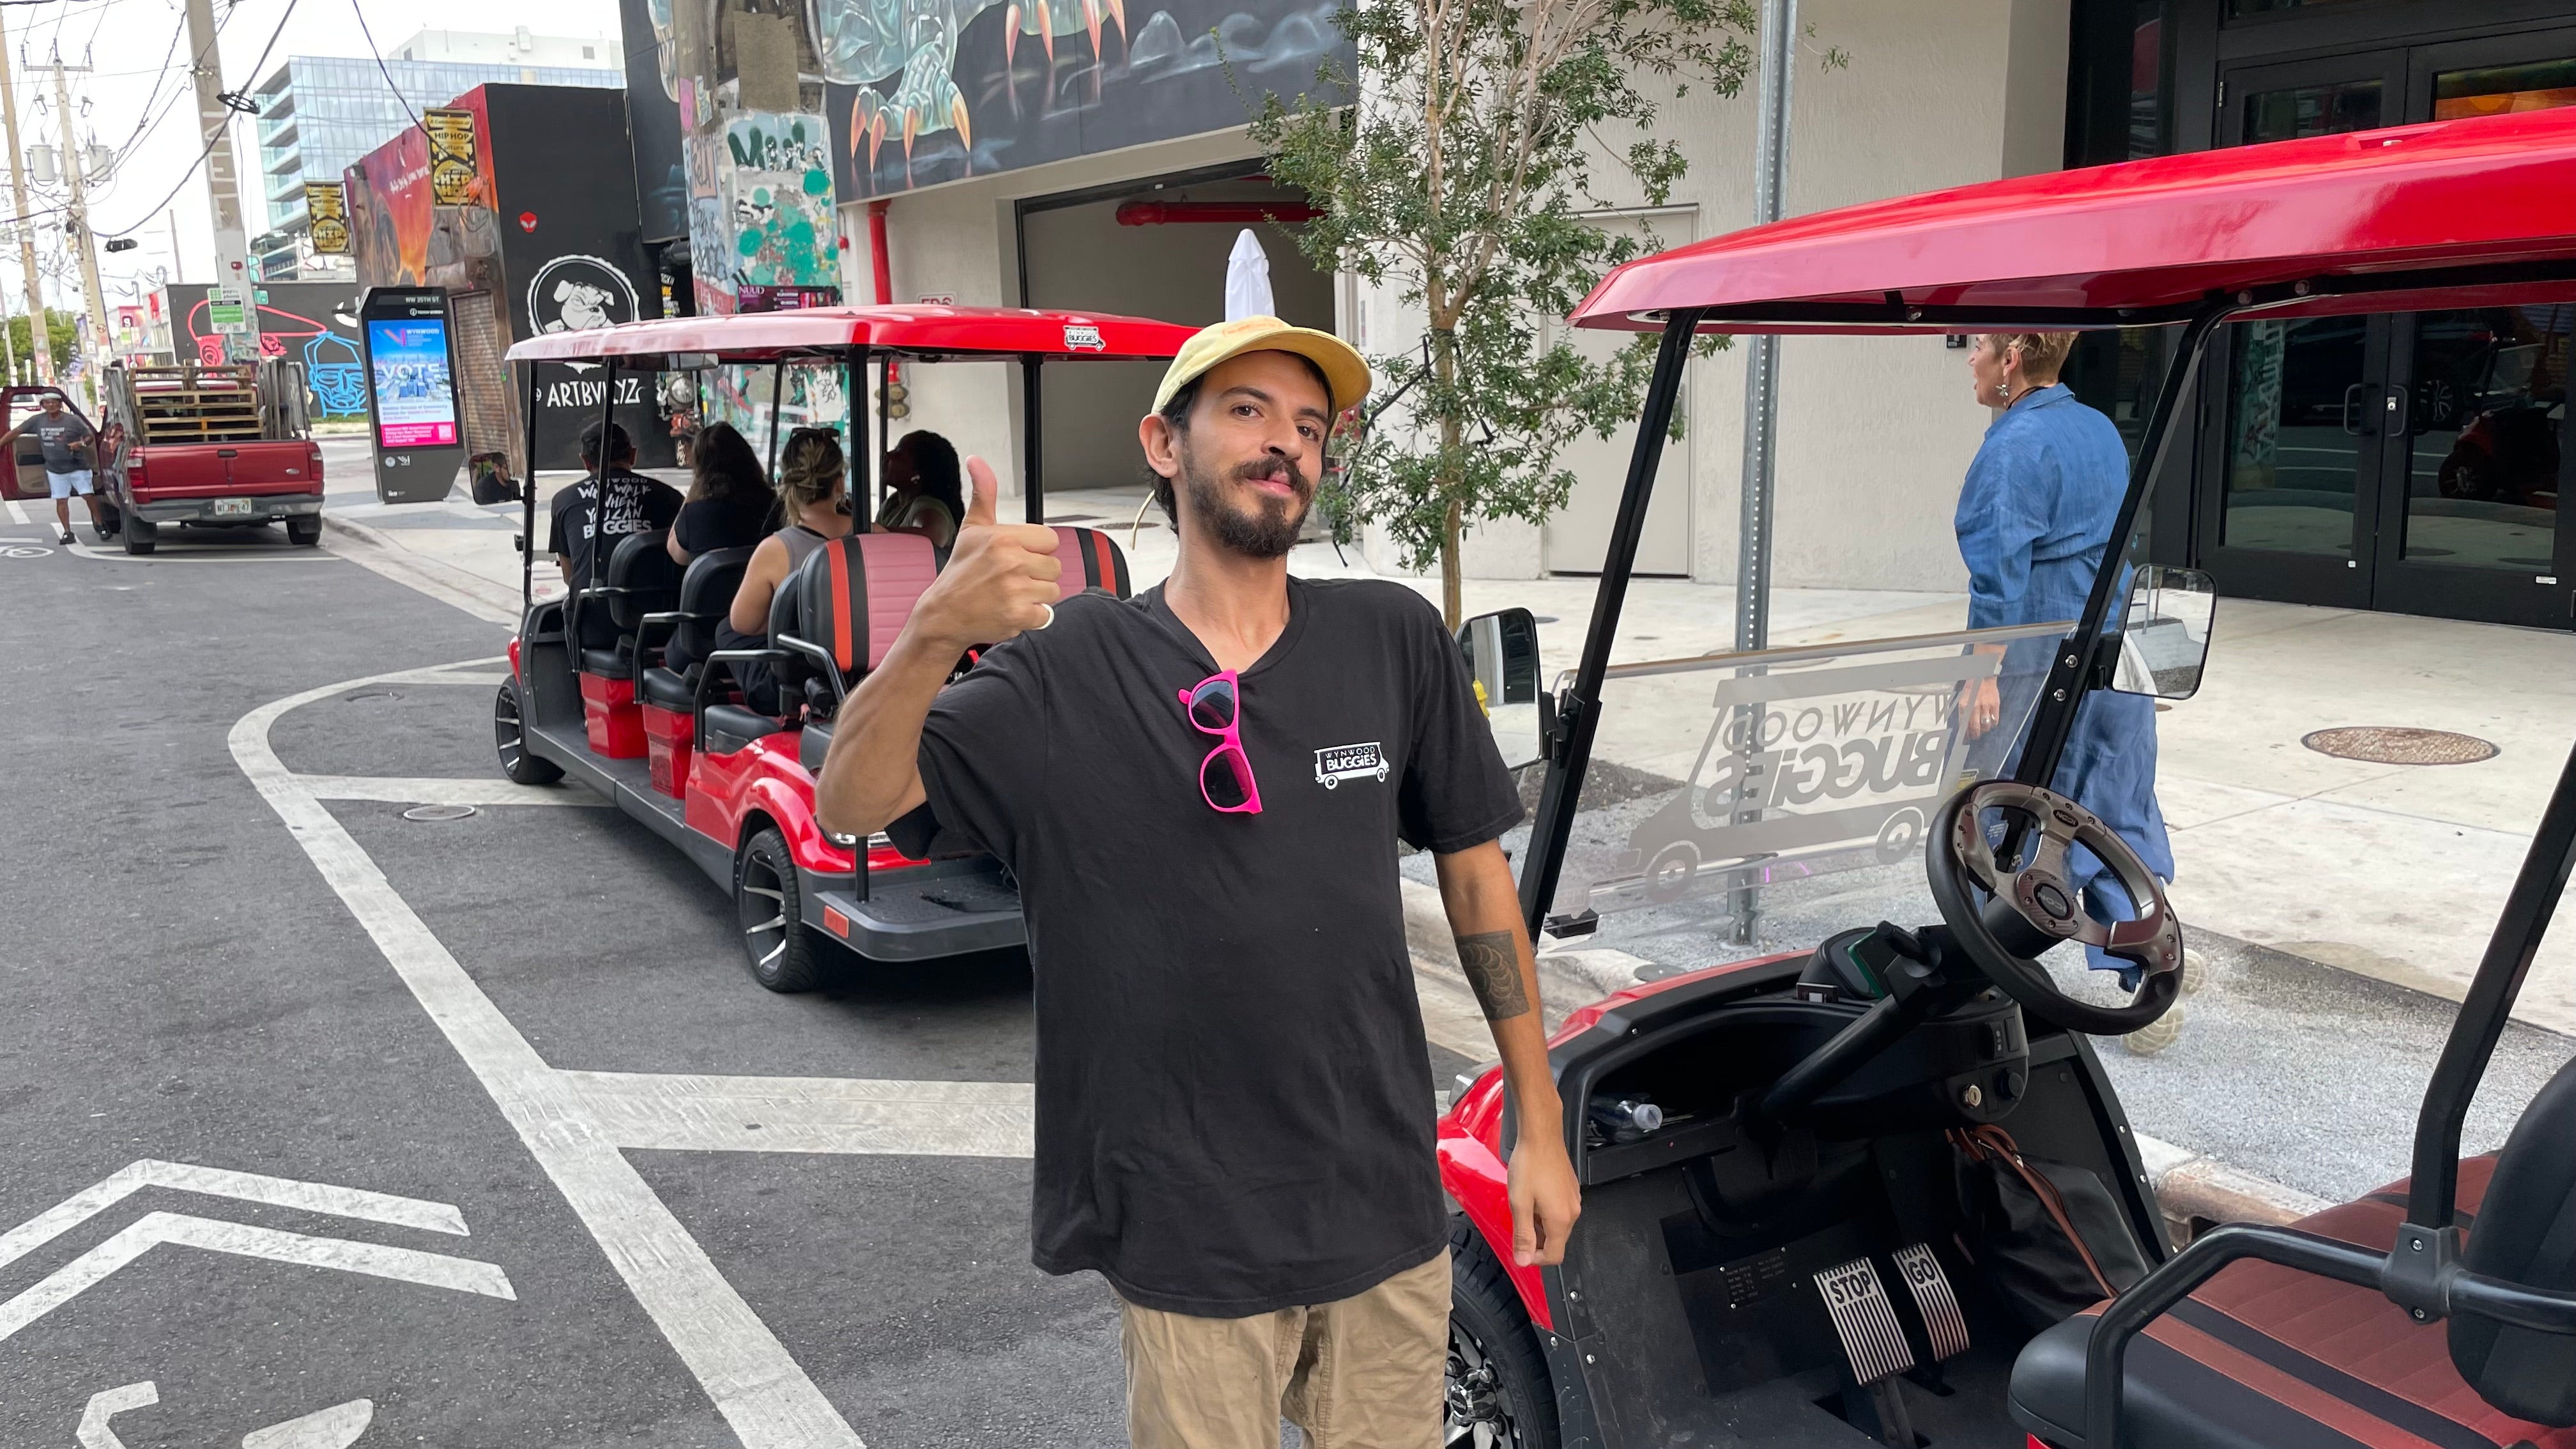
[2393,871]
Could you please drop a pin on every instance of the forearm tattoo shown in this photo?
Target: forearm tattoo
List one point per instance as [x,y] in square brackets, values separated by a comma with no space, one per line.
[1492,962]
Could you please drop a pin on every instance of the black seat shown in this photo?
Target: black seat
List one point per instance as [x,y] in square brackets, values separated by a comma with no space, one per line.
[2266,1357]
[642,579]
[730,727]
[706,596]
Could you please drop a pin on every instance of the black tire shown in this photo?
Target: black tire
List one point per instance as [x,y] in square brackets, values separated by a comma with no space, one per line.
[140,535]
[779,947]
[1498,1393]
[1669,876]
[510,737]
[1901,836]
[304,532]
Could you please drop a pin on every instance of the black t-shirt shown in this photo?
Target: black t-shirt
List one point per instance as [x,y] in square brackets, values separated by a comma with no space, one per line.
[713,523]
[1233,1112]
[636,504]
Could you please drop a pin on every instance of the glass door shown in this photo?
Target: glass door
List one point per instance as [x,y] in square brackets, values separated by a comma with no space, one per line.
[2294,437]
[2469,524]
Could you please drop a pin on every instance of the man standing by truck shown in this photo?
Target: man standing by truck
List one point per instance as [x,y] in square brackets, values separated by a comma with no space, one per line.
[1200,791]
[70,460]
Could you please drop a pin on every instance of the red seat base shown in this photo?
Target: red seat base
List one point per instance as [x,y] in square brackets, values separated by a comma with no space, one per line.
[669,737]
[610,718]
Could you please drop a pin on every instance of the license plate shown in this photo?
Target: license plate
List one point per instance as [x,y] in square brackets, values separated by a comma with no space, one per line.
[232,508]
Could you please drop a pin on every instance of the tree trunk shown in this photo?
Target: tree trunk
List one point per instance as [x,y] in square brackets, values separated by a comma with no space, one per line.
[1453,438]
[1451,608]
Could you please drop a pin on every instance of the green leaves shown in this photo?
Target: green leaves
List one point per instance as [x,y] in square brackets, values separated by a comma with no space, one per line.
[1484,131]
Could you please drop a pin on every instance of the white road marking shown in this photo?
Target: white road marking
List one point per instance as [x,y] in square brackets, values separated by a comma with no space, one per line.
[17,514]
[315,1197]
[336,1427]
[435,1270]
[748,1374]
[810,1114]
[420,790]
[106,1404]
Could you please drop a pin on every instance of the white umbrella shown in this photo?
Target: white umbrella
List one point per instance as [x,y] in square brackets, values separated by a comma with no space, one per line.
[1247,280]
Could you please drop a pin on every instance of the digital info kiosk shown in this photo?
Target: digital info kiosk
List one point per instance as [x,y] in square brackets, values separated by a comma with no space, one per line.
[411,393]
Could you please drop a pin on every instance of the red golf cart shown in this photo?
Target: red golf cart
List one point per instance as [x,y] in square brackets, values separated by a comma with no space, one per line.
[1886,1193]
[727,777]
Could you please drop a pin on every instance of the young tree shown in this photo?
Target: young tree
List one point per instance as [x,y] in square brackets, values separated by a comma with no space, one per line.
[1482,130]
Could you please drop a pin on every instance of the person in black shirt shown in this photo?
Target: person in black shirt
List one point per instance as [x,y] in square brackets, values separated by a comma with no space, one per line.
[1200,792]
[635,504]
[729,503]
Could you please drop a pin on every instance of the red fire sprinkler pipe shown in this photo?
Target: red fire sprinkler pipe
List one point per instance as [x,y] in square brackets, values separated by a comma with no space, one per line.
[877,252]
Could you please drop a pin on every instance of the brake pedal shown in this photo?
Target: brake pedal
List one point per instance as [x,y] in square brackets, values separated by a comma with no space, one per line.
[1865,1321]
[1934,1300]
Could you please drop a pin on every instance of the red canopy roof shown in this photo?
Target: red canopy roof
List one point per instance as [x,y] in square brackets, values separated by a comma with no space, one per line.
[2363,219]
[910,331]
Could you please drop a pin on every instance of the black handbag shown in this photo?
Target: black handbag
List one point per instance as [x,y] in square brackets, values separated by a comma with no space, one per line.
[2050,1236]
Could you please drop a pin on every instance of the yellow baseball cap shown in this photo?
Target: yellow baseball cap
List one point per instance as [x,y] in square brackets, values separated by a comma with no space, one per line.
[1344,373]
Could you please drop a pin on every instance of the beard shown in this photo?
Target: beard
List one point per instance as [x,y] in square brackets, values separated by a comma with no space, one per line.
[1269,528]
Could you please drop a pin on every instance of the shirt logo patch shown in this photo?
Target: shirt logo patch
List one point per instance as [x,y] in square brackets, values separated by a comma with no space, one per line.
[1337,763]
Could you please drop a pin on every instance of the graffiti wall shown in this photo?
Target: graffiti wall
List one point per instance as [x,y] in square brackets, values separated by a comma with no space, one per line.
[925,91]
[309,322]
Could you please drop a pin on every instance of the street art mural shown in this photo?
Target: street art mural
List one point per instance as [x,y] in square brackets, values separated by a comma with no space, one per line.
[309,322]
[779,185]
[925,91]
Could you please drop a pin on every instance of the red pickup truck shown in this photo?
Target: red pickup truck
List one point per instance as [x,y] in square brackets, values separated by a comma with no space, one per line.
[220,447]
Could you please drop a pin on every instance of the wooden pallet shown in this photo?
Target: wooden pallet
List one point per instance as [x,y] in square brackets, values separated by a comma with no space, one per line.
[191,403]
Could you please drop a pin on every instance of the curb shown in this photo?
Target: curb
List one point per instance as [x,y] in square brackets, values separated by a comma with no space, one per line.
[2196,1192]
[445,582]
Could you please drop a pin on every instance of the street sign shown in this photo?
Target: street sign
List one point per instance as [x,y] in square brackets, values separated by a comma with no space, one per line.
[227,311]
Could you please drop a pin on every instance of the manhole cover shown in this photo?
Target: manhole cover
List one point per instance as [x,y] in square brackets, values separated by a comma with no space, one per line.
[438,812]
[2396,745]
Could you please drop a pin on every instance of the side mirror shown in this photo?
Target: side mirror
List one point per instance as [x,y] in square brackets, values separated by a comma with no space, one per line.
[1502,655]
[2164,637]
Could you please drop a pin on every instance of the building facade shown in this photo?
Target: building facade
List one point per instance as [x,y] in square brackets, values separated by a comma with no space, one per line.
[2406,463]
[319,114]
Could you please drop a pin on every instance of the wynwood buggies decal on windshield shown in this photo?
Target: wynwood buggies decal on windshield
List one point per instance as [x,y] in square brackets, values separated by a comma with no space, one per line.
[1842,750]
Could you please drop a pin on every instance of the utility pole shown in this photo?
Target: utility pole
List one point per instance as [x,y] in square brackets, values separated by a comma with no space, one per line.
[215,132]
[98,347]
[39,343]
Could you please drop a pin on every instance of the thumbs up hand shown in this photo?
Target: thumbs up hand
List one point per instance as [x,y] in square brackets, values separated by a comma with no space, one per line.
[1000,579]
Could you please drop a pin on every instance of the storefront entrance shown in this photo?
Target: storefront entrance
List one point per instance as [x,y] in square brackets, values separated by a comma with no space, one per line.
[2410,463]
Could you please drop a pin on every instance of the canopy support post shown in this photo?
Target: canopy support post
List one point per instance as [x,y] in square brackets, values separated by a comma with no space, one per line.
[1032,454]
[528,497]
[777,404]
[2073,664]
[1578,712]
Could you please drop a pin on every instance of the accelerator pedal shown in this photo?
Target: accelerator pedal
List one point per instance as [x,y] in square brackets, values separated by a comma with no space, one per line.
[1934,1300]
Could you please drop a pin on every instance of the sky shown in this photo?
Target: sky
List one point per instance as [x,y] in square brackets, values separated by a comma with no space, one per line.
[129,102]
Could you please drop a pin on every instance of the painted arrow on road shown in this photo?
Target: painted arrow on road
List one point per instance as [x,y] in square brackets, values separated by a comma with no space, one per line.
[436,1270]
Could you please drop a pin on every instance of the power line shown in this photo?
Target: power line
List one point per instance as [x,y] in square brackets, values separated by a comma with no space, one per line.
[219,134]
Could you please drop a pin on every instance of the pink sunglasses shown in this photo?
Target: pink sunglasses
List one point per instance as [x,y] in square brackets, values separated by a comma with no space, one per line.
[1225,777]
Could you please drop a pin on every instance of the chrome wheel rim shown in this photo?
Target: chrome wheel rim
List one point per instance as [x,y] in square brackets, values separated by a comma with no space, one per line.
[507,732]
[1475,1413]
[762,906]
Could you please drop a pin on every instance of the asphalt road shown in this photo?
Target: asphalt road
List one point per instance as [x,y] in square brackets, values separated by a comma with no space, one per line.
[253,1164]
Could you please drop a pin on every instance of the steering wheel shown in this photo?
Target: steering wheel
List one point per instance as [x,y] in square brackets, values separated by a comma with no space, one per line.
[2030,907]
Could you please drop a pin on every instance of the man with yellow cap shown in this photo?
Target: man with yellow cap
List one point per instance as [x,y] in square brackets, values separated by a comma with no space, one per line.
[1200,791]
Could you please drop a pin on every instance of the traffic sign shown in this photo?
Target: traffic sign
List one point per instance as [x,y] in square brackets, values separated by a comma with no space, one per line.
[227,311]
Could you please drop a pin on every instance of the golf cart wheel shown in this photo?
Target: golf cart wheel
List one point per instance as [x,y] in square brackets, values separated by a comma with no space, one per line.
[780,947]
[510,737]
[1901,838]
[1497,1394]
[304,532]
[140,535]
[1670,875]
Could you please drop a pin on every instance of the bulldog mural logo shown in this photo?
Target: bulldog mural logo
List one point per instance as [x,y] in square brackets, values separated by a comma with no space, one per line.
[577,293]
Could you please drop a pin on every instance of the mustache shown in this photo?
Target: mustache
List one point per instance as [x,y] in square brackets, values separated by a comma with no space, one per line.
[1272,467]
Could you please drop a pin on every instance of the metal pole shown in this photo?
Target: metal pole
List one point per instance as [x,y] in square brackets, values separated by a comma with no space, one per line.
[38,341]
[885,432]
[76,225]
[1762,402]
[777,398]
[528,497]
[214,132]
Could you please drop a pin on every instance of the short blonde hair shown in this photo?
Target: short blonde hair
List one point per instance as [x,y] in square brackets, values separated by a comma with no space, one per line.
[2043,354]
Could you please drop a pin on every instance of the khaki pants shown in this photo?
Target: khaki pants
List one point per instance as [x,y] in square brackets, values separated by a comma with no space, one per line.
[1366,1372]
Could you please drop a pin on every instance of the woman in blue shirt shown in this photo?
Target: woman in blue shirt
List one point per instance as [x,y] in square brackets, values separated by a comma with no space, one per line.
[2034,522]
